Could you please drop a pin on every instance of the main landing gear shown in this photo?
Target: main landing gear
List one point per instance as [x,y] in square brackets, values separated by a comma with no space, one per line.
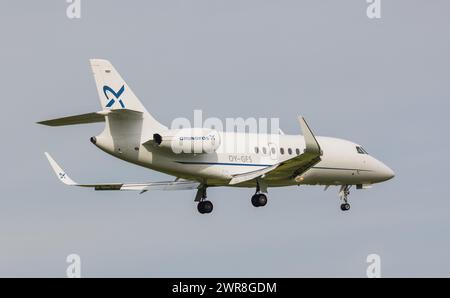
[259,199]
[343,194]
[204,206]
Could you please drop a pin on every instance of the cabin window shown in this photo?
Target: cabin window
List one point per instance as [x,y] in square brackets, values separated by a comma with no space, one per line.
[297,151]
[264,150]
[289,151]
[282,150]
[256,150]
[273,150]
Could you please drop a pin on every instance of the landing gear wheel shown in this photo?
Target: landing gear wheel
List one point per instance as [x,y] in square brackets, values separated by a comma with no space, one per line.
[255,200]
[259,200]
[345,207]
[205,207]
[262,200]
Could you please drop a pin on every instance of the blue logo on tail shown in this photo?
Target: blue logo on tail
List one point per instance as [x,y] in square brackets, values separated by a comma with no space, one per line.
[116,95]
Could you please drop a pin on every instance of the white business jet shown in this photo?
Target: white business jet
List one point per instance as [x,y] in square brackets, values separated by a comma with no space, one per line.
[133,135]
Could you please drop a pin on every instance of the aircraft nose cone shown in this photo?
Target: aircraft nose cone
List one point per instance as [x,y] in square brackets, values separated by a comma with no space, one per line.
[386,172]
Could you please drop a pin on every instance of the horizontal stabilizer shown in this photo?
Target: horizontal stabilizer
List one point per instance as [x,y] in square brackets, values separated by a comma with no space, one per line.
[91,117]
[72,120]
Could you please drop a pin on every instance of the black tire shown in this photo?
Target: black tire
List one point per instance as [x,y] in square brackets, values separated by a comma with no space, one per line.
[345,207]
[262,200]
[200,208]
[207,206]
[255,201]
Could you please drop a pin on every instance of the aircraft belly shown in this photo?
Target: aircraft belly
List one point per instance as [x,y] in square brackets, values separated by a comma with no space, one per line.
[331,176]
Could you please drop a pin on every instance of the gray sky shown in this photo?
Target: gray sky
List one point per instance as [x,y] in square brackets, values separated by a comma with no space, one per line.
[382,83]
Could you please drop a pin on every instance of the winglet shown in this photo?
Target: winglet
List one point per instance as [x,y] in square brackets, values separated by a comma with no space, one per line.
[62,176]
[311,143]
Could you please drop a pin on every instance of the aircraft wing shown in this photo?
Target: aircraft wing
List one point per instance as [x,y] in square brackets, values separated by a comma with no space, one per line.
[291,167]
[142,187]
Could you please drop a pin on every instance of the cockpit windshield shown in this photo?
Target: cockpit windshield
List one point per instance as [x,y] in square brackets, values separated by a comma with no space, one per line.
[361,150]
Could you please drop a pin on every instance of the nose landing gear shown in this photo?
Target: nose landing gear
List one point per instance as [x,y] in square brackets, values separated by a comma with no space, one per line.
[343,194]
[345,207]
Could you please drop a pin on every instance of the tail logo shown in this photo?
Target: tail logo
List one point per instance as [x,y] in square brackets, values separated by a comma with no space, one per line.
[116,96]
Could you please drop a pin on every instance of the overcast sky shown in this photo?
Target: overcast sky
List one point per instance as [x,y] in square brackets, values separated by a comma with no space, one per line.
[381,83]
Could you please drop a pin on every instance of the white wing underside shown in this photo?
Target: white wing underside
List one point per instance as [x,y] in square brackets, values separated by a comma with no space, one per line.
[142,187]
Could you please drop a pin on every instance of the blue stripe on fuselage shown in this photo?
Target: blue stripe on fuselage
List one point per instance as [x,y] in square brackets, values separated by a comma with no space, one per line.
[222,163]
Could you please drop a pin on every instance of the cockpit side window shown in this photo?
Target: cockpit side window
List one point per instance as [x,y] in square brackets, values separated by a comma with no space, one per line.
[361,150]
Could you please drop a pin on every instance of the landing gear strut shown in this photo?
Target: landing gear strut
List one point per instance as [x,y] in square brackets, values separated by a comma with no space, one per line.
[343,194]
[259,199]
[204,206]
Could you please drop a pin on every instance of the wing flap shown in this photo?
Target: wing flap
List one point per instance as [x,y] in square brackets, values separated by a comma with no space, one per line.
[163,185]
[251,175]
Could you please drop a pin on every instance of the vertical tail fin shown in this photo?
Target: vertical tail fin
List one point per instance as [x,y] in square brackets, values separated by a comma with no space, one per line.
[114,93]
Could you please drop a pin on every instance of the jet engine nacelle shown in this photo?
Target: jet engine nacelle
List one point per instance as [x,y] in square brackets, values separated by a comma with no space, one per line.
[189,140]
